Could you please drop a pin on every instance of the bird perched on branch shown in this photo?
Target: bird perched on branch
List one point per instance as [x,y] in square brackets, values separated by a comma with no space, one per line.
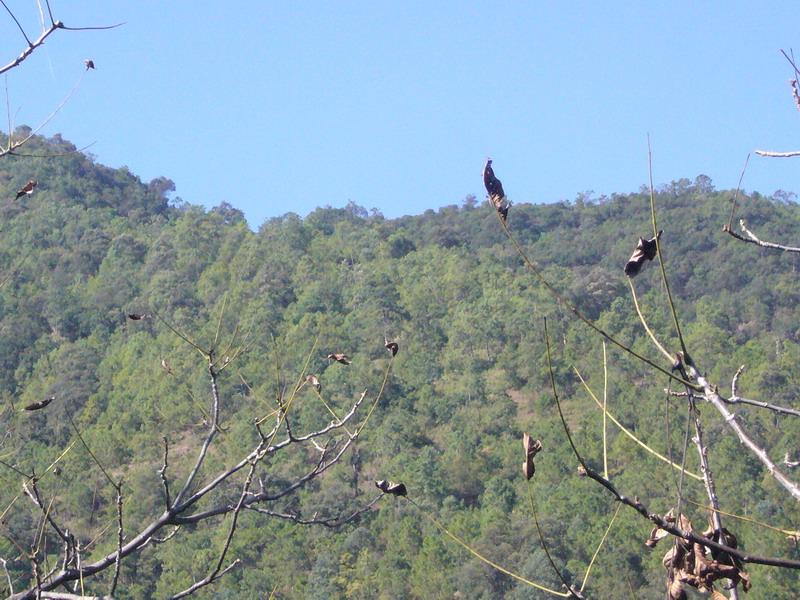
[390,487]
[26,189]
[495,190]
[166,366]
[137,316]
[339,357]
[41,404]
[493,186]
[645,250]
[89,63]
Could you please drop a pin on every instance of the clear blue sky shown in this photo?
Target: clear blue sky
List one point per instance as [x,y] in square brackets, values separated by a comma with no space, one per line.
[285,106]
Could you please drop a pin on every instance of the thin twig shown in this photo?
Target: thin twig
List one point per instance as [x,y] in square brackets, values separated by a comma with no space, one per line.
[660,254]
[653,338]
[605,413]
[532,268]
[751,238]
[599,546]
[482,558]
[627,432]
[543,544]
[767,153]
[736,195]
[330,522]
[218,571]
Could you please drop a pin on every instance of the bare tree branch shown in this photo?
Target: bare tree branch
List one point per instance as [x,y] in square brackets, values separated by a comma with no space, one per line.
[771,154]
[712,396]
[330,522]
[218,571]
[751,238]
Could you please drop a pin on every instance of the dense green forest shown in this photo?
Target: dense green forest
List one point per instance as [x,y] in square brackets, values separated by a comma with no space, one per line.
[93,244]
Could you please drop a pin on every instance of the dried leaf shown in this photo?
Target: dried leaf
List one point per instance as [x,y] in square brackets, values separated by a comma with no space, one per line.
[532,448]
[645,250]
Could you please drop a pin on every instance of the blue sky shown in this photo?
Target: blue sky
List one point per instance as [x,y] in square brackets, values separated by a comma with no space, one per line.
[278,107]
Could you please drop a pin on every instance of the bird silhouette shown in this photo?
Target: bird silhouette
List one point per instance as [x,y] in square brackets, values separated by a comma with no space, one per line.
[339,357]
[390,487]
[391,346]
[495,190]
[89,63]
[41,404]
[27,189]
[645,250]
[493,186]
[137,316]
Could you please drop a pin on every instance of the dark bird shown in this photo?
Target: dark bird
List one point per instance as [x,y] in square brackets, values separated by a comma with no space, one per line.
[339,357]
[89,63]
[313,380]
[27,189]
[390,487]
[532,448]
[645,250]
[391,346]
[137,316]
[493,186]
[495,190]
[41,404]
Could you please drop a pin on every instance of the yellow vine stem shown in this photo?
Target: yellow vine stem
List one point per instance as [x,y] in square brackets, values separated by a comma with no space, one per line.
[599,546]
[629,434]
[285,409]
[378,397]
[272,593]
[47,470]
[788,532]
[485,560]
[605,411]
[666,354]
[330,410]
[658,250]
[541,539]
[532,268]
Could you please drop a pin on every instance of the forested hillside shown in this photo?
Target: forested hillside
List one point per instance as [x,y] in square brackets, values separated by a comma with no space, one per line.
[93,244]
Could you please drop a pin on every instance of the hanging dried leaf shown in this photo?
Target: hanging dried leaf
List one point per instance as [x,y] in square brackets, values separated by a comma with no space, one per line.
[532,448]
[645,250]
